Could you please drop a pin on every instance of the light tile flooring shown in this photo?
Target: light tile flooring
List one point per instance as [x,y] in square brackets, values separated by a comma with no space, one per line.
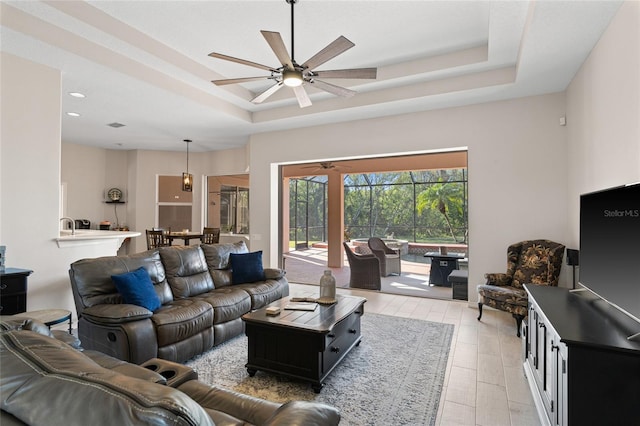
[484,382]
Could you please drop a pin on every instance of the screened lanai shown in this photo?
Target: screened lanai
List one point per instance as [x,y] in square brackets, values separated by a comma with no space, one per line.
[419,201]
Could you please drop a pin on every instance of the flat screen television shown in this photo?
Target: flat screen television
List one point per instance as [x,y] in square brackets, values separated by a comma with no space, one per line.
[610,246]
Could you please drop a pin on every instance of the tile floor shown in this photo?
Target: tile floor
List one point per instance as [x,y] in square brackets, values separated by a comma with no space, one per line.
[484,382]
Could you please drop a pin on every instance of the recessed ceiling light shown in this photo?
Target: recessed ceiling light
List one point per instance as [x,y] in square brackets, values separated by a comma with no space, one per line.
[73,114]
[76,94]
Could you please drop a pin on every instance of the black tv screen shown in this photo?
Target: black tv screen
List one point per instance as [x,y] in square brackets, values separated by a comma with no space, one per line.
[610,246]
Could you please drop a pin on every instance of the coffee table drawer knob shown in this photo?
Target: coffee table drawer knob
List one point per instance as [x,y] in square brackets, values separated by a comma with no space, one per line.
[331,335]
[335,349]
[353,331]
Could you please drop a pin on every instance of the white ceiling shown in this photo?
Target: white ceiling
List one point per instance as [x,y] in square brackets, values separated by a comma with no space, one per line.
[144,63]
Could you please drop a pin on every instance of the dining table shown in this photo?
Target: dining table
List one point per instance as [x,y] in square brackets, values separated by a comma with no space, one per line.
[185,236]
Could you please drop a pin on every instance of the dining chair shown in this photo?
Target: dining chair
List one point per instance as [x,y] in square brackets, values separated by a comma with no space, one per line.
[210,235]
[157,237]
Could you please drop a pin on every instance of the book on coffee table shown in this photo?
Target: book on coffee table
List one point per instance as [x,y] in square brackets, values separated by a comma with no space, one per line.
[301,306]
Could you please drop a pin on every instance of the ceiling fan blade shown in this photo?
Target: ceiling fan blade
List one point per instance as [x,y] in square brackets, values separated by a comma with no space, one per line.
[350,73]
[332,88]
[242,61]
[277,45]
[338,46]
[302,96]
[264,95]
[237,80]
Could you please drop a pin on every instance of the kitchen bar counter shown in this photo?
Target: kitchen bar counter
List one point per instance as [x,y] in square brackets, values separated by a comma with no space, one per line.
[92,236]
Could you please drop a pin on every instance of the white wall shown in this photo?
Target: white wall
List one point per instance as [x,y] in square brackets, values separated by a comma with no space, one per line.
[83,172]
[517,169]
[603,114]
[30,183]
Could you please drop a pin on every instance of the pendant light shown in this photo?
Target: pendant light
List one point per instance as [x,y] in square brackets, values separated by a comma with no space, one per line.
[187,178]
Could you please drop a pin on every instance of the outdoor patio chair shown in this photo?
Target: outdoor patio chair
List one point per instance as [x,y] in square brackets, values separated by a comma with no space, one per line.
[389,259]
[365,269]
[528,262]
[210,235]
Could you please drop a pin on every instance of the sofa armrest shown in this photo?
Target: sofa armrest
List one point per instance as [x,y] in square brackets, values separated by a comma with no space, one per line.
[116,314]
[273,273]
[126,368]
[228,402]
[67,338]
[304,413]
[498,279]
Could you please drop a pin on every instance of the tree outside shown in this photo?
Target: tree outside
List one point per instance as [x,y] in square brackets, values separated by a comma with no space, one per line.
[428,206]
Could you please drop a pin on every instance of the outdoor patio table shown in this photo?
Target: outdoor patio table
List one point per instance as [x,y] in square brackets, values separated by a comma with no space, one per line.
[441,267]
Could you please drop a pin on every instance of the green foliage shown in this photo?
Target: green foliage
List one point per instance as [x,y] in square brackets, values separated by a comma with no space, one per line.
[421,206]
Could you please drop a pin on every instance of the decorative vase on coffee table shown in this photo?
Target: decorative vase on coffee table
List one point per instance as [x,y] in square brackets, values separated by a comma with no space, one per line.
[327,288]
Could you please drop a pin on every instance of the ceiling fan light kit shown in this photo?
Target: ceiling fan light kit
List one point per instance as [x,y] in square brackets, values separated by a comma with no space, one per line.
[292,75]
[292,78]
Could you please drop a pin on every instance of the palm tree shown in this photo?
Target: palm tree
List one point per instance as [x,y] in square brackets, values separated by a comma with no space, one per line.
[446,198]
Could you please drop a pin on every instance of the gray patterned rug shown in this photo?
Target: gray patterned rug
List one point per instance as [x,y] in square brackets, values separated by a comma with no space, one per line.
[394,377]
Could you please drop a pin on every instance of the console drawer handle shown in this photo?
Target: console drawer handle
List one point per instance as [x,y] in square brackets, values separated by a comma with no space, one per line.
[331,335]
[353,331]
[335,349]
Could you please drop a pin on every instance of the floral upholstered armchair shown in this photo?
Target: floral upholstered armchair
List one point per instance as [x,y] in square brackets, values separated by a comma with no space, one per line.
[528,262]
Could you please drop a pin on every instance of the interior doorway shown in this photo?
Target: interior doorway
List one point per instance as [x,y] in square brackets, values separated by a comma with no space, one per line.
[227,207]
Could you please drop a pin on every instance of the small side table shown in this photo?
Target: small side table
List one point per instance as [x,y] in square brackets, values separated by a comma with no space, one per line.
[48,317]
[459,283]
[13,290]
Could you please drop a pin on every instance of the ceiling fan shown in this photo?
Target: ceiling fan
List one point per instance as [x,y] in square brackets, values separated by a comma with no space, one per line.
[296,76]
[326,166]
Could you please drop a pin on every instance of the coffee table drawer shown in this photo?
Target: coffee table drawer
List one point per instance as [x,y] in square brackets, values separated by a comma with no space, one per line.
[345,337]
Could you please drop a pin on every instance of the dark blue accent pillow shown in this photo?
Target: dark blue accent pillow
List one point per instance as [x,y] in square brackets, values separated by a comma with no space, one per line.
[136,288]
[246,267]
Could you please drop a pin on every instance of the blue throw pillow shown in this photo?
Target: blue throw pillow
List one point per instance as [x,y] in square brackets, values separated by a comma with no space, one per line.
[136,288]
[246,267]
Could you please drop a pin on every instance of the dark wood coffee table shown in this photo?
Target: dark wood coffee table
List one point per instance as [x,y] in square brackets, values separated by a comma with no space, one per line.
[305,345]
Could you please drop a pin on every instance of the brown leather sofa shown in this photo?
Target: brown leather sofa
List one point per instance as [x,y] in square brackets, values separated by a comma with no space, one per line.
[200,305]
[45,381]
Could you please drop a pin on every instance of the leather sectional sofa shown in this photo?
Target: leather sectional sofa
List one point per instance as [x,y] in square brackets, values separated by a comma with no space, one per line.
[201,306]
[45,381]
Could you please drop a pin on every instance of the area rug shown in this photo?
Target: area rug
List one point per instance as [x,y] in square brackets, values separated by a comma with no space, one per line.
[394,377]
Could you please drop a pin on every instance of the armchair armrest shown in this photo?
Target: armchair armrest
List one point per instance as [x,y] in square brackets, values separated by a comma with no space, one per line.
[115,314]
[366,256]
[499,279]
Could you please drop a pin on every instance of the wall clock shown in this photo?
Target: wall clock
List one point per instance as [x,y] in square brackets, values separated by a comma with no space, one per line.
[114,194]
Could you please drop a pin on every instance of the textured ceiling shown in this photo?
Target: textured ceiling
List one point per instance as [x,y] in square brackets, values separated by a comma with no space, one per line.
[144,63]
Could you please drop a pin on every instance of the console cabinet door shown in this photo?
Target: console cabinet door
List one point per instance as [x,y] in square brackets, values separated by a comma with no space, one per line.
[530,337]
[560,391]
[545,363]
